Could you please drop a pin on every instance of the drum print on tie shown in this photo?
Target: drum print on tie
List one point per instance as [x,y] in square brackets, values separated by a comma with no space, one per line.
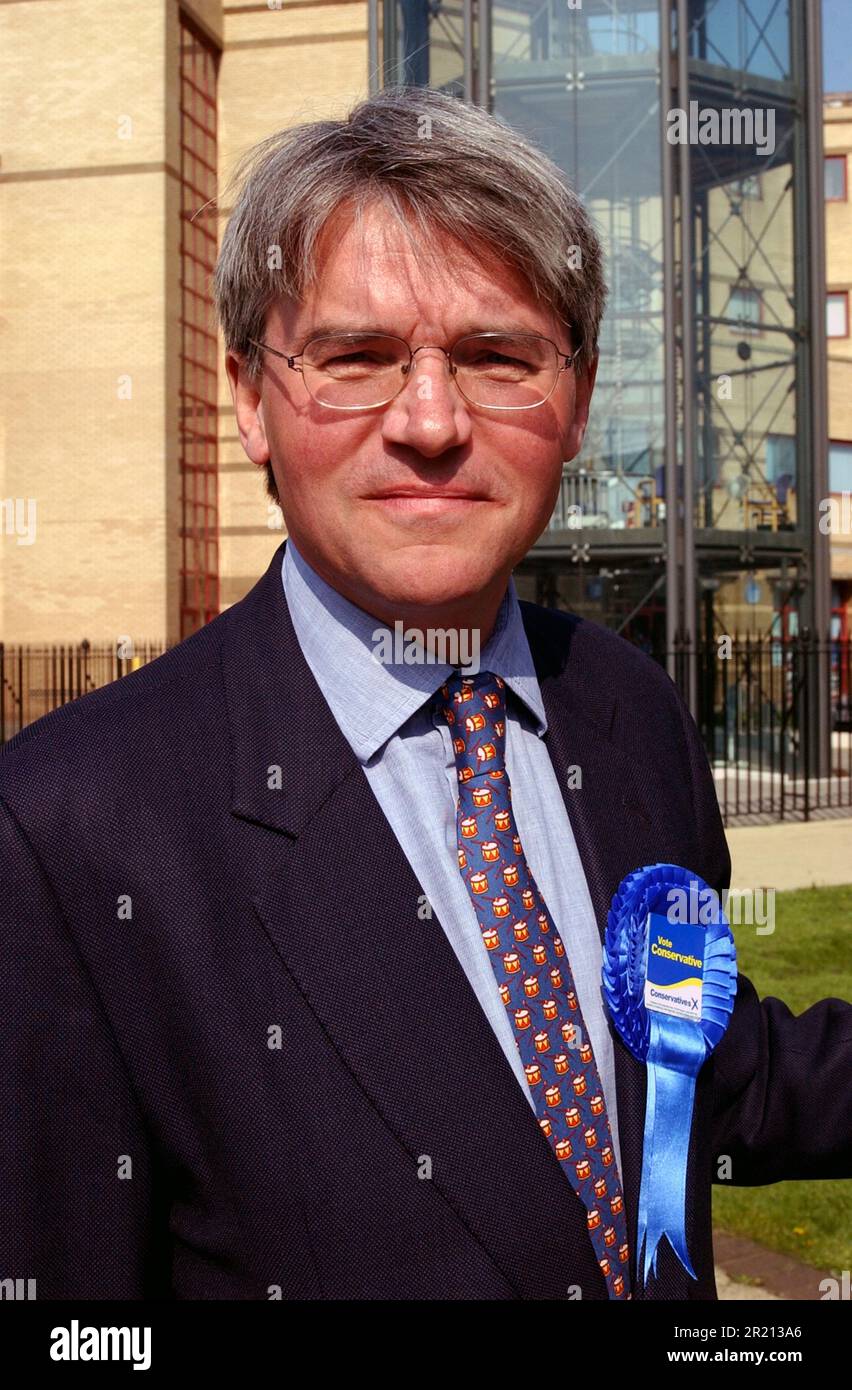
[531,968]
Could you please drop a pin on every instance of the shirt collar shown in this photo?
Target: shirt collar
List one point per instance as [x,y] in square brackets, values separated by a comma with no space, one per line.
[369,699]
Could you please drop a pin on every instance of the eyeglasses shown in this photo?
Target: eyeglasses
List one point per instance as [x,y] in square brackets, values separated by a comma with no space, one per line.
[362,371]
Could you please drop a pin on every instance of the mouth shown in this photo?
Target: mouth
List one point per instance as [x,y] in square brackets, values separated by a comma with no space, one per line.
[427,501]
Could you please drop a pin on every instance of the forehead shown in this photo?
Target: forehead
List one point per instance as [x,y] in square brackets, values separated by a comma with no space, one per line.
[370,271]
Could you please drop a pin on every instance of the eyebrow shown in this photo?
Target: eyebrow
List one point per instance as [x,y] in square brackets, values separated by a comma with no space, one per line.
[332,329]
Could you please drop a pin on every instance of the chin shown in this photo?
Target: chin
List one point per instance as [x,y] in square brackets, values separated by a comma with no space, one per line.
[427,581]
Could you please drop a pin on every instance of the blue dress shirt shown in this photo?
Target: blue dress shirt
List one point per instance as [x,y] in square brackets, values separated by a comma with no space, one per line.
[383,713]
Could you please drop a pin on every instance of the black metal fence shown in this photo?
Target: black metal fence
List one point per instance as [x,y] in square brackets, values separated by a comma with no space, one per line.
[35,680]
[775,714]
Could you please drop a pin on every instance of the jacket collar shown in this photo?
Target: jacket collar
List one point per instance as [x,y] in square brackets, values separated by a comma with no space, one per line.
[370,698]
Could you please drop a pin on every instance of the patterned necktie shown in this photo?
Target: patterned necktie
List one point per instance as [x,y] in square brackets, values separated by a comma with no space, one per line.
[531,968]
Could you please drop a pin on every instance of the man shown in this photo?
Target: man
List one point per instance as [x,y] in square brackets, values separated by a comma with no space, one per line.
[268,981]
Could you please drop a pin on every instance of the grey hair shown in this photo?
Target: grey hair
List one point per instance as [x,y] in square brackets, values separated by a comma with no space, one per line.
[432,160]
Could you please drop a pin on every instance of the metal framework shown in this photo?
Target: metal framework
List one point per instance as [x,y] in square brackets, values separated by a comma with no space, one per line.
[705,459]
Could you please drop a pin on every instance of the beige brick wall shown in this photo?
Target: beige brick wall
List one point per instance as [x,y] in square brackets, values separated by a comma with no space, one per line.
[90,289]
[279,67]
[83,183]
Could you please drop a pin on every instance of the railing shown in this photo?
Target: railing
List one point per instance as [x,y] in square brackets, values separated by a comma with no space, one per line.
[35,680]
[773,757]
[596,498]
[757,713]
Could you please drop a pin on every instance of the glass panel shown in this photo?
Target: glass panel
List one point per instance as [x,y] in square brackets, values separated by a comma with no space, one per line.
[751,36]
[423,44]
[746,344]
[582,84]
[780,459]
[627,596]
[758,602]
[745,348]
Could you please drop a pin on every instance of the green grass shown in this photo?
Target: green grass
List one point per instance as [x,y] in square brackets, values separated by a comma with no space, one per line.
[806,959]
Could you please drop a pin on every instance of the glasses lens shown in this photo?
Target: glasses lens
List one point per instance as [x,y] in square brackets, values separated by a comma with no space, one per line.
[354,369]
[510,369]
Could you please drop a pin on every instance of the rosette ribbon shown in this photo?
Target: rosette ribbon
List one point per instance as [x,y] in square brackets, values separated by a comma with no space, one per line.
[673,1049]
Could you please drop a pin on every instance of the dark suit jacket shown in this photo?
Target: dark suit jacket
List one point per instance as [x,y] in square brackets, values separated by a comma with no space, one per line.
[227,983]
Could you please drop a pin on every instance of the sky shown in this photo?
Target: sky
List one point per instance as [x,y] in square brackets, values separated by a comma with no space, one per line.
[837,45]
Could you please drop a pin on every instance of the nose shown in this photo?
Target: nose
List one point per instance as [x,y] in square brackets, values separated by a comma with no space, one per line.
[429,414]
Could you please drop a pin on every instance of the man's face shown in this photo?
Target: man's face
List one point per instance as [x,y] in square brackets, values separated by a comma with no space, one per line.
[419,509]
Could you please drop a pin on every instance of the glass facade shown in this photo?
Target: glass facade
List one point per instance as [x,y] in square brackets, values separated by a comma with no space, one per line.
[583,85]
[688,129]
[750,310]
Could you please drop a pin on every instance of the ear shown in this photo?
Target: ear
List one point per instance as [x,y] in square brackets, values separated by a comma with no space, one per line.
[248,408]
[584,385]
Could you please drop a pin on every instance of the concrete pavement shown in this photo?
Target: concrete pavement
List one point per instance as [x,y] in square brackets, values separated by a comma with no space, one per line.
[791,855]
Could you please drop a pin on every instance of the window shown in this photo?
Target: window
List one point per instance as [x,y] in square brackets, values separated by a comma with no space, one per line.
[839,466]
[837,314]
[780,459]
[835,178]
[744,304]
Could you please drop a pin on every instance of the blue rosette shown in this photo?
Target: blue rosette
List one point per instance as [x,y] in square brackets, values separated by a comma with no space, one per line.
[673,1048]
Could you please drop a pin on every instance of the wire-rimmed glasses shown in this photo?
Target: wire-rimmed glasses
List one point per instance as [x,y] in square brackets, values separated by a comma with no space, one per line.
[363,370]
